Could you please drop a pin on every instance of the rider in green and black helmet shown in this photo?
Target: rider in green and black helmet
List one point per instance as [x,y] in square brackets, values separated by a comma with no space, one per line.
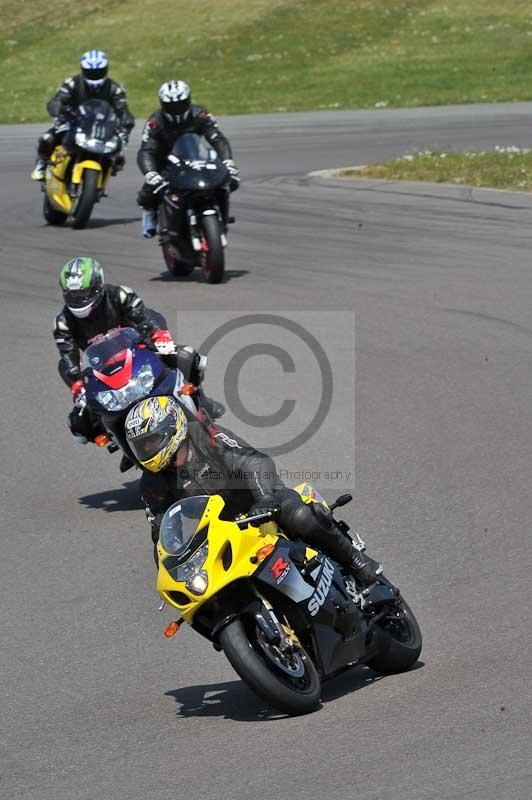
[93,307]
[81,280]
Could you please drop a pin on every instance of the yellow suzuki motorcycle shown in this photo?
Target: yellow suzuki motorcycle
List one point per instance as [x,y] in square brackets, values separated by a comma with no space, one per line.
[286,617]
[77,174]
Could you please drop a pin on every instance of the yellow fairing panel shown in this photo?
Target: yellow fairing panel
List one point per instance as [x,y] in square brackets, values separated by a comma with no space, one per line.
[227,545]
[77,172]
[56,188]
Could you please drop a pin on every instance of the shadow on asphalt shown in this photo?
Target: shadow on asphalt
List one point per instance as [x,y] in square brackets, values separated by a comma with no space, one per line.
[125,499]
[196,276]
[233,699]
[106,223]
[230,700]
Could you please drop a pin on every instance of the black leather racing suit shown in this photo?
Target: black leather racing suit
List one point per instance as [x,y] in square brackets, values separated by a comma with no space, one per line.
[158,139]
[119,306]
[70,95]
[219,462]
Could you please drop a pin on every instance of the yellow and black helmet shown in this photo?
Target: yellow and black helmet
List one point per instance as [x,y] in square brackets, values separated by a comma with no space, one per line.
[155,429]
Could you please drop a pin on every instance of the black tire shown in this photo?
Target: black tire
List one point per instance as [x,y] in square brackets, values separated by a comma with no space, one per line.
[264,679]
[88,197]
[213,257]
[402,641]
[174,264]
[51,214]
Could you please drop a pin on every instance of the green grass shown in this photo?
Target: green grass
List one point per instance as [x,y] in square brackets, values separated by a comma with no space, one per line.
[248,56]
[508,168]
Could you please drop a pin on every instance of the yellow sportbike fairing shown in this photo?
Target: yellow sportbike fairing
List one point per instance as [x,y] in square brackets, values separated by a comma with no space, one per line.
[81,166]
[58,188]
[200,554]
[217,553]
[55,185]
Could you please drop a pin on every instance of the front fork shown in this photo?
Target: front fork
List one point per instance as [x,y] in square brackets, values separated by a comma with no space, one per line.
[276,633]
[197,238]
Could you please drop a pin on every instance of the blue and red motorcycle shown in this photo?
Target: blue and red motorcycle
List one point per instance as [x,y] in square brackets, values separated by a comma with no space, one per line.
[120,369]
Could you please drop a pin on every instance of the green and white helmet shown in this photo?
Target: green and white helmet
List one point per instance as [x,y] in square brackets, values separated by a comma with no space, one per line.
[81,281]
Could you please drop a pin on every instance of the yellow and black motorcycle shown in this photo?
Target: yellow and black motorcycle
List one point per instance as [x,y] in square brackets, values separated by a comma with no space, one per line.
[286,616]
[79,168]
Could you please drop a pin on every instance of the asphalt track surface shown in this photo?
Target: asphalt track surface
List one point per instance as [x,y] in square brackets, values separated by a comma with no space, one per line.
[95,703]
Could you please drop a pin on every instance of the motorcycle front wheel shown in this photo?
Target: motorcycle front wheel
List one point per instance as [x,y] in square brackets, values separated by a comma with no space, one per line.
[88,197]
[402,641]
[213,257]
[289,682]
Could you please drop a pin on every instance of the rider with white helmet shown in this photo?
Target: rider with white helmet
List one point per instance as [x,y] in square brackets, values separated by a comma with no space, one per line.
[177,115]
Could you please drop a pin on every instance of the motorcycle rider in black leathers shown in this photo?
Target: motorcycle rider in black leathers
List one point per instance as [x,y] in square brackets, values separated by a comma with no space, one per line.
[183,459]
[177,115]
[91,84]
[93,307]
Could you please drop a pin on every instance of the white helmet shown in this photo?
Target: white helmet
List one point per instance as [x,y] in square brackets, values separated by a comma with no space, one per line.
[174,97]
[94,66]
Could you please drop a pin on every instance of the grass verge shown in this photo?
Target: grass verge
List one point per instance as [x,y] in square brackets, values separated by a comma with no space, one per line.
[502,168]
[250,56]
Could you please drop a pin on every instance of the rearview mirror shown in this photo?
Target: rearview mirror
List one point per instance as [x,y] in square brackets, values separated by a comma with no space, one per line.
[343,500]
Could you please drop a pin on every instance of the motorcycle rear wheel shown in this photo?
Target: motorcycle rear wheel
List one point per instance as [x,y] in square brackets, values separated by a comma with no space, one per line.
[51,214]
[292,687]
[88,197]
[214,256]
[402,641]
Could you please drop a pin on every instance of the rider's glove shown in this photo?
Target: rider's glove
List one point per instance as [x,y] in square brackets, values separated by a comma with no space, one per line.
[62,121]
[155,181]
[78,393]
[234,174]
[124,139]
[164,344]
[266,504]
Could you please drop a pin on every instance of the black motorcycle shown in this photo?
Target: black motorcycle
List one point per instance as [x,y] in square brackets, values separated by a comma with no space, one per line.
[193,211]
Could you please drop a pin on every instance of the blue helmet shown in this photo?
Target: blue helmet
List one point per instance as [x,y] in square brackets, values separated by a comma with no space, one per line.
[94,66]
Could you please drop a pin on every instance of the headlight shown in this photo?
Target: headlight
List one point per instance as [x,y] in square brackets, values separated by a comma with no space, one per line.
[108,400]
[145,376]
[192,574]
[92,145]
[136,389]
[199,583]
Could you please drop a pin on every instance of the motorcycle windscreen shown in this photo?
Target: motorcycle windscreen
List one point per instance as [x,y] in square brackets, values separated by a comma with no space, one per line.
[97,120]
[103,348]
[182,522]
[119,373]
[192,147]
[194,166]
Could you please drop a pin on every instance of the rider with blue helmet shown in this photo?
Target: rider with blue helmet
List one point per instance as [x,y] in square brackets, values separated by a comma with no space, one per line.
[91,83]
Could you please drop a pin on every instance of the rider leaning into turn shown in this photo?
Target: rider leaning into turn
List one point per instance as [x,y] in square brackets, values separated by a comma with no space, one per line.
[176,116]
[183,459]
[93,307]
[91,84]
